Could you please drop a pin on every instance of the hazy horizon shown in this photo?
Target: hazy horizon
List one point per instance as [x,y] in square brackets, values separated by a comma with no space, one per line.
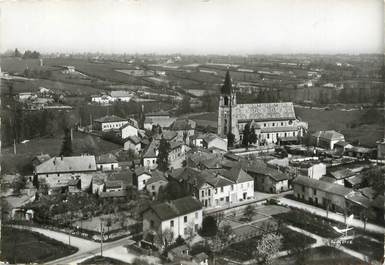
[243,27]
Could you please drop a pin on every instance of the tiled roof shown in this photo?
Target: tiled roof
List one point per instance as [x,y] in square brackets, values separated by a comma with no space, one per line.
[133,139]
[236,174]
[210,137]
[111,184]
[142,170]
[157,114]
[151,149]
[113,194]
[328,135]
[110,118]
[120,93]
[67,164]
[172,209]
[131,122]
[343,173]
[322,185]
[125,176]
[42,158]
[106,158]
[156,176]
[279,129]
[266,111]
[182,124]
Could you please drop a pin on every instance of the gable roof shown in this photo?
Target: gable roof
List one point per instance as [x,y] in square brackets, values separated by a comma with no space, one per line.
[172,209]
[182,124]
[106,158]
[110,118]
[328,135]
[67,164]
[133,139]
[322,185]
[120,93]
[266,111]
[156,176]
[130,122]
[236,174]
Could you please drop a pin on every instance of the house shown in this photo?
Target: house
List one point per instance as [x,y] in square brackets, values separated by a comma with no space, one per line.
[109,122]
[156,183]
[44,91]
[179,253]
[268,179]
[107,162]
[321,193]
[97,185]
[132,143]
[129,129]
[68,69]
[184,128]
[150,155]
[142,175]
[327,139]
[201,259]
[101,99]
[310,168]
[182,217]
[26,95]
[61,169]
[113,185]
[341,146]
[212,140]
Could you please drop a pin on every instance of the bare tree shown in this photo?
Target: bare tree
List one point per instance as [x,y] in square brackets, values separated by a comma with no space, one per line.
[267,247]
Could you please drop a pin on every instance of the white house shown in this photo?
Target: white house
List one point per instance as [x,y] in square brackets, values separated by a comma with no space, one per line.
[101,99]
[183,217]
[327,139]
[142,175]
[62,169]
[129,129]
[214,141]
[109,122]
[107,162]
[121,95]
[132,143]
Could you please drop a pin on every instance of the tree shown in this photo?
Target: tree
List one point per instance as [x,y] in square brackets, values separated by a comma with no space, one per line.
[184,106]
[162,159]
[18,184]
[230,139]
[66,149]
[253,136]
[17,53]
[209,226]
[246,135]
[167,236]
[249,212]
[267,247]
[224,232]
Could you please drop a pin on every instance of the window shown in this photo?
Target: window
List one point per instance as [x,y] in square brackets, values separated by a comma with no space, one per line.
[112,167]
[273,124]
[153,187]
[264,125]
[197,215]
[226,101]
[314,191]
[151,223]
[221,189]
[268,136]
[58,174]
[232,187]
[281,123]
[203,193]
[222,199]
[185,219]
[172,223]
[209,192]
[144,182]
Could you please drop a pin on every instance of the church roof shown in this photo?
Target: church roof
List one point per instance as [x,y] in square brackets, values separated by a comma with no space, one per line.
[265,111]
[227,87]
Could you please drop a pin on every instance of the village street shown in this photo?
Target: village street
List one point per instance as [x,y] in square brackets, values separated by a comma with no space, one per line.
[332,216]
[88,248]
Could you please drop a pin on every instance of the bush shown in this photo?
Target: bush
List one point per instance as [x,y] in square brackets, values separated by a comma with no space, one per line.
[209,226]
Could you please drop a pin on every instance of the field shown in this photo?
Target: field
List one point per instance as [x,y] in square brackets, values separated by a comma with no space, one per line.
[82,143]
[22,246]
[366,134]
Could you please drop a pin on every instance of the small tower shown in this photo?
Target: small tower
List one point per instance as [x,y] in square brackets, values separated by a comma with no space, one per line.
[227,103]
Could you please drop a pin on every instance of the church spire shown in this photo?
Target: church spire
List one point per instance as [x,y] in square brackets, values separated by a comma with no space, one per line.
[227,87]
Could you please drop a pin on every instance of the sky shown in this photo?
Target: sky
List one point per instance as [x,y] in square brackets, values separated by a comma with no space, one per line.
[193,26]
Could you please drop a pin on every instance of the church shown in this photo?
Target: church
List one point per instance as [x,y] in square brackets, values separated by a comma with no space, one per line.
[273,122]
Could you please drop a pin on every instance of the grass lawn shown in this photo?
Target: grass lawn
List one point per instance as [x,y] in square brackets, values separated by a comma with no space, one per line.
[243,251]
[340,121]
[100,260]
[308,222]
[22,246]
[83,143]
[321,256]
[365,246]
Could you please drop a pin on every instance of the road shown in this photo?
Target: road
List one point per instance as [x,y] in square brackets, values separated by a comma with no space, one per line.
[88,248]
[332,216]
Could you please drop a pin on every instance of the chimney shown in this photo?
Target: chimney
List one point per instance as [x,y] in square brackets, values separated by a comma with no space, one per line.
[61,157]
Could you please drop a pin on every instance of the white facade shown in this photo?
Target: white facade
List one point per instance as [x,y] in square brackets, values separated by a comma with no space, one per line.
[150,162]
[128,131]
[142,180]
[316,171]
[106,126]
[180,224]
[128,145]
[104,99]
[107,166]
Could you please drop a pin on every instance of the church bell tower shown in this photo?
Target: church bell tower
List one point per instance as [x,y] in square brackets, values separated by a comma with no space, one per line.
[227,104]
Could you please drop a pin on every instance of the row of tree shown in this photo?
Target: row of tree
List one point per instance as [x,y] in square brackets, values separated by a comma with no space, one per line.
[27,54]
